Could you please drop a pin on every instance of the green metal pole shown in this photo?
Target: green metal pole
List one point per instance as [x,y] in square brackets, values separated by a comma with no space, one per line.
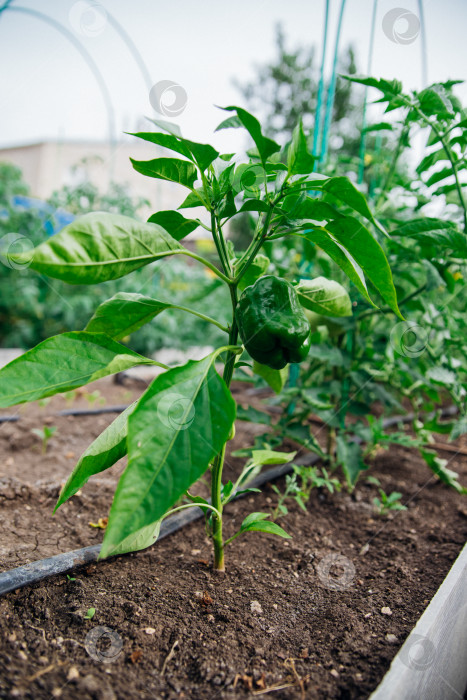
[331,89]
[361,168]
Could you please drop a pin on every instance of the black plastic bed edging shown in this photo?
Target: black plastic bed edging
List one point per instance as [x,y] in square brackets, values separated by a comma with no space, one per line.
[61,563]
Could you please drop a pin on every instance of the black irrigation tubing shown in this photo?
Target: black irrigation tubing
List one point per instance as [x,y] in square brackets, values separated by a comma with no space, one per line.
[61,563]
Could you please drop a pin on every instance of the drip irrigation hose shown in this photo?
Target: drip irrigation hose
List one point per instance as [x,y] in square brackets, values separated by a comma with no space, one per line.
[61,563]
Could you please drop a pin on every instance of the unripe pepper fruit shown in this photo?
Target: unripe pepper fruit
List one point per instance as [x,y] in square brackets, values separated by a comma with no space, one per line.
[272,323]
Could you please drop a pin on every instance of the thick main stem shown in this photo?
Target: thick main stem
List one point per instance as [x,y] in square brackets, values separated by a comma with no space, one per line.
[216,473]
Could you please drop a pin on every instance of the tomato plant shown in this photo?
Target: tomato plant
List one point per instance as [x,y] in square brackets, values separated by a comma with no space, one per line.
[179,427]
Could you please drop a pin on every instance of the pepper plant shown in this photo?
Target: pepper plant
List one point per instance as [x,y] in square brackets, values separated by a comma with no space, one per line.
[179,427]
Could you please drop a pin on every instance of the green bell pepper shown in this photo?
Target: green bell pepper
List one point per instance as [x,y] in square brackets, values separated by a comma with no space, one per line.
[272,324]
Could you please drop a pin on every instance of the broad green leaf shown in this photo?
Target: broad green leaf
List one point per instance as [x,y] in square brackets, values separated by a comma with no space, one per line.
[438,233]
[368,254]
[342,189]
[324,296]
[258,267]
[171,141]
[439,176]
[141,539]
[124,313]
[98,247]
[194,199]
[276,378]
[180,424]
[341,257]
[349,455]
[232,122]
[175,223]
[266,147]
[299,159]
[62,363]
[203,154]
[298,208]
[256,522]
[106,449]
[171,169]
[254,205]
[435,101]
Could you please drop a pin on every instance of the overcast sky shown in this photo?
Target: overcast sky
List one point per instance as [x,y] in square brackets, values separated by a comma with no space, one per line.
[48,91]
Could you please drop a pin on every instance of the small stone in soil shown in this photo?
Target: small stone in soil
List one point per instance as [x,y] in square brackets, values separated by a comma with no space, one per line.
[391,638]
[149,630]
[386,611]
[334,673]
[256,607]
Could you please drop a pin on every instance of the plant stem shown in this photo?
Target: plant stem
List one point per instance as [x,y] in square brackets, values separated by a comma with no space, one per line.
[205,262]
[216,472]
[202,316]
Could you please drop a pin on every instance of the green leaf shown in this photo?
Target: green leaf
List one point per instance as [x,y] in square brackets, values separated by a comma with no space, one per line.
[181,422]
[106,449]
[172,169]
[459,428]
[266,147]
[170,127]
[276,378]
[140,539]
[253,415]
[438,467]
[256,522]
[98,247]
[124,313]
[62,363]
[204,154]
[254,205]
[368,254]
[388,87]
[299,208]
[256,269]
[194,199]
[341,257]
[324,296]
[342,189]
[299,159]
[380,126]
[349,455]
[175,223]
[435,101]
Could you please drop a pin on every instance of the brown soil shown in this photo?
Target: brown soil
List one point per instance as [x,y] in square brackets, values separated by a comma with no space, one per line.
[277,618]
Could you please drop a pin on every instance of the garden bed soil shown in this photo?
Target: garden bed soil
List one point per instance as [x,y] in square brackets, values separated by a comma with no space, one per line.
[287,617]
